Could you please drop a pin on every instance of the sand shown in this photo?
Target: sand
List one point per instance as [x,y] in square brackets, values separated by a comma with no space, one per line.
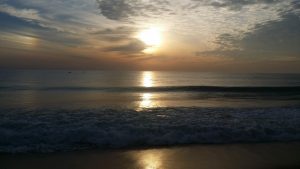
[233,156]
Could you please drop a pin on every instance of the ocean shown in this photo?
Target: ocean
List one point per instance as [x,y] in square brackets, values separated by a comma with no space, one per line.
[54,111]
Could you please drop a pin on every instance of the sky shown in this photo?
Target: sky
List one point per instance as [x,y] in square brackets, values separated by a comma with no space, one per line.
[179,35]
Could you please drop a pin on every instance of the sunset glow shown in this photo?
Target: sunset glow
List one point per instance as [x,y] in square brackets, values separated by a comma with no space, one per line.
[172,35]
[151,36]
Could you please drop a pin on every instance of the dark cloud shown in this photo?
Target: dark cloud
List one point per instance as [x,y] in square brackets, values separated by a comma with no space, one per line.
[296,4]
[233,4]
[132,47]
[115,34]
[273,39]
[276,37]
[124,9]
[117,30]
[115,9]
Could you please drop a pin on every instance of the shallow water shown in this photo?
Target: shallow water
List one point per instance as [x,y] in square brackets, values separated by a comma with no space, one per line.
[232,156]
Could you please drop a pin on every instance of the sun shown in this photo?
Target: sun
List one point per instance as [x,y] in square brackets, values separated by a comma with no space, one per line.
[151,36]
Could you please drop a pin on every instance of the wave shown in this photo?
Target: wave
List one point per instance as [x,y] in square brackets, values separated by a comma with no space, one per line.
[283,89]
[55,130]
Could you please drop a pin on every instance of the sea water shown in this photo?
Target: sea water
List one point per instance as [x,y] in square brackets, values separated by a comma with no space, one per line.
[49,111]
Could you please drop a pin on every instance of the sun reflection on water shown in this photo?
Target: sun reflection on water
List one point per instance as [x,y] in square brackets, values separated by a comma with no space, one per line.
[150,160]
[146,98]
[147,79]
[146,101]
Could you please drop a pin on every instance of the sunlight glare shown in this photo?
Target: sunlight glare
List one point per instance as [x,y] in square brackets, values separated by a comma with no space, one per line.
[146,100]
[151,36]
[151,160]
[147,79]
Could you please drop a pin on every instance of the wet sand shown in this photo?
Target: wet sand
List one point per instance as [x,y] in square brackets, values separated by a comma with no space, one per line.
[233,156]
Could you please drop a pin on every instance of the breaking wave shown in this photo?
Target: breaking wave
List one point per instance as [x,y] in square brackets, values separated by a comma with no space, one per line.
[52,130]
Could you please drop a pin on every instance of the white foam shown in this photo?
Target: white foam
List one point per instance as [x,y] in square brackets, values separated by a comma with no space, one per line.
[51,130]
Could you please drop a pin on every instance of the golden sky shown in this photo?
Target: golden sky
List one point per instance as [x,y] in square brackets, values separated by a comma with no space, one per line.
[180,35]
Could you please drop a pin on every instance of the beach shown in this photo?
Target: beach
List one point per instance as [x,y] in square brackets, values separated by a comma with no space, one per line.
[225,156]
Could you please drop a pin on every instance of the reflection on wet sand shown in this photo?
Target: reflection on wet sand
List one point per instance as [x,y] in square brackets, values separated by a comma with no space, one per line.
[150,159]
[233,156]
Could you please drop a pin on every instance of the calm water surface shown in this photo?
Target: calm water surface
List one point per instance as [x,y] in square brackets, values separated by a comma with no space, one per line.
[94,89]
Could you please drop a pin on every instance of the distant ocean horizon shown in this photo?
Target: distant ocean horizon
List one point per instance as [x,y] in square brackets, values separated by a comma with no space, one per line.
[49,111]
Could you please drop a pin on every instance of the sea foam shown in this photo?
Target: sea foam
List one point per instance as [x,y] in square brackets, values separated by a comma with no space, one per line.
[52,130]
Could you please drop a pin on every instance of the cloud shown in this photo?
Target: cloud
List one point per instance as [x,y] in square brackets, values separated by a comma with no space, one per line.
[116,9]
[278,39]
[132,47]
[71,16]
[234,4]
[124,9]
[27,14]
[121,39]
[233,28]
[121,33]
[20,34]
[128,9]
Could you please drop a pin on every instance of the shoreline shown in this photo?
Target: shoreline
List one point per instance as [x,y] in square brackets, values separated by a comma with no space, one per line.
[232,156]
